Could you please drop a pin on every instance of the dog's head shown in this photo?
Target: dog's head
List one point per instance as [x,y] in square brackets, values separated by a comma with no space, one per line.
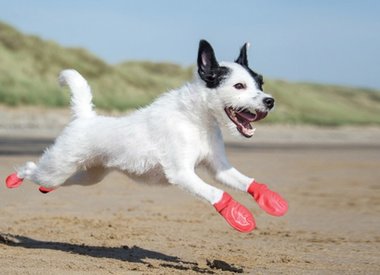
[237,91]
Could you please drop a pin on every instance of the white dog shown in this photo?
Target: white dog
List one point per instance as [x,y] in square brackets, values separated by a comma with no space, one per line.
[166,140]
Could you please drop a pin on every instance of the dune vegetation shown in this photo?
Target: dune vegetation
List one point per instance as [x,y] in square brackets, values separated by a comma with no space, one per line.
[29,67]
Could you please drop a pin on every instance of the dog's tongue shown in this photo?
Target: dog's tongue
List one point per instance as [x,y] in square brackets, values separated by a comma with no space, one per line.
[260,115]
[246,115]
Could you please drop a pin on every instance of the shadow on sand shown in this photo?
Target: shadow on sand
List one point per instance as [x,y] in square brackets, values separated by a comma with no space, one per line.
[132,254]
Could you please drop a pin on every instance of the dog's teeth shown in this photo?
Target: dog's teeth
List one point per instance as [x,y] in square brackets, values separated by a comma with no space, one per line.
[251,132]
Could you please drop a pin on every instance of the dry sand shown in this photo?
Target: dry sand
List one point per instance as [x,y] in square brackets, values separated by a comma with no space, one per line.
[331,178]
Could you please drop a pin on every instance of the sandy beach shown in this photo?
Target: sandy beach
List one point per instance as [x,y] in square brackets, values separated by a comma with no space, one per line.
[329,176]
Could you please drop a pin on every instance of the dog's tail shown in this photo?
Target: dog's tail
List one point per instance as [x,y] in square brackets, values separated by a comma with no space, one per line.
[81,99]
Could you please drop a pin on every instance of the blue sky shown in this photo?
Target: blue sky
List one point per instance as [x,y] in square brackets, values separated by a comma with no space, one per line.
[319,41]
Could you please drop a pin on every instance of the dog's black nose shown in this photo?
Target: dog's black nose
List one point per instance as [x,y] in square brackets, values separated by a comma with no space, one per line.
[269,102]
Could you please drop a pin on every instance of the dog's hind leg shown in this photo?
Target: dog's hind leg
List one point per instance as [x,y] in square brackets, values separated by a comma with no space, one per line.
[50,172]
[235,214]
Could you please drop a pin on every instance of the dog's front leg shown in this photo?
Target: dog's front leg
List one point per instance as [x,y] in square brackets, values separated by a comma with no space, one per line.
[270,201]
[235,214]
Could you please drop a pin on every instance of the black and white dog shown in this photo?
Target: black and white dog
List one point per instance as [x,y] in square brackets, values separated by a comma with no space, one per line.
[166,140]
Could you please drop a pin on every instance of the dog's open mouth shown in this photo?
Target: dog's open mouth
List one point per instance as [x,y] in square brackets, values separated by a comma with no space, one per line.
[243,119]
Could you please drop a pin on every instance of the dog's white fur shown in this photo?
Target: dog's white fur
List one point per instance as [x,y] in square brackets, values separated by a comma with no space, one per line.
[164,141]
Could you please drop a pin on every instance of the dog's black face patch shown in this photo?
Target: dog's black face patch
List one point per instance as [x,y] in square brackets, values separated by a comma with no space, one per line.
[257,77]
[208,67]
[243,61]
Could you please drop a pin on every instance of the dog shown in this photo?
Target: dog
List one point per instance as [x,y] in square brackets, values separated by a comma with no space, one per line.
[167,140]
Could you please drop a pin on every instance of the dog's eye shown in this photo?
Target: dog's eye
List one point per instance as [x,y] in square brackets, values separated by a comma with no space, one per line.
[239,86]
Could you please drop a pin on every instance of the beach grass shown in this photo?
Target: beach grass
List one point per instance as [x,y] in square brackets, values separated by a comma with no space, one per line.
[29,67]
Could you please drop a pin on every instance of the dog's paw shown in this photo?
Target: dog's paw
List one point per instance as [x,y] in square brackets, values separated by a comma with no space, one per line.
[45,190]
[271,202]
[13,181]
[235,214]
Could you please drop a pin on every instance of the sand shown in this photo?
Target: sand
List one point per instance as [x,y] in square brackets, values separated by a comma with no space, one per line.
[329,176]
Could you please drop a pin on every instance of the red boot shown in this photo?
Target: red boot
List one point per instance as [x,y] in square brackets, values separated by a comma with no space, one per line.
[269,201]
[13,181]
[45,190]
[235,214]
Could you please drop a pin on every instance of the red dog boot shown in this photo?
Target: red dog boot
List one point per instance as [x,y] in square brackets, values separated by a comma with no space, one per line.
[45,190]
[235,214]
[13,181]
[269,201]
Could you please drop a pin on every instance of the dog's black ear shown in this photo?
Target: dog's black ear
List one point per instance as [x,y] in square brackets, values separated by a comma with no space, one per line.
[207,64]
[243,57]
[208,67]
